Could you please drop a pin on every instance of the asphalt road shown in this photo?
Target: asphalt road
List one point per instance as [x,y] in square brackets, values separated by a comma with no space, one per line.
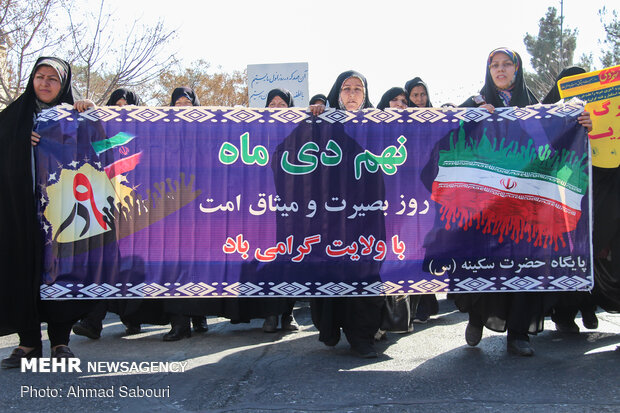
[236,368]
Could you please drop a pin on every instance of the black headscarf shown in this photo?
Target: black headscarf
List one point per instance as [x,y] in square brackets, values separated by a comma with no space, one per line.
[521,95]
[334,94]
[66,94]
[389,95]
[416,81]
[20,240]
[283,93]
[554,94]
[320,97]
[187,92]
[128,95]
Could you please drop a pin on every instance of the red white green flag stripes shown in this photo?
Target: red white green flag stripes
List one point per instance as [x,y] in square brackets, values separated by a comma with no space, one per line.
[516,192]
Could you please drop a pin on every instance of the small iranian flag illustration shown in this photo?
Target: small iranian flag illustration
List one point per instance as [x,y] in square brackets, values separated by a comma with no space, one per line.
[509,190]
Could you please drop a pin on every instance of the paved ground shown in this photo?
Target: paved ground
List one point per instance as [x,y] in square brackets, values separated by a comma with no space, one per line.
[239,368]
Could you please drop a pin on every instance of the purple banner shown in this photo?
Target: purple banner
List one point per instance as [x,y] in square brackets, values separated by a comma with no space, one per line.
[211,202]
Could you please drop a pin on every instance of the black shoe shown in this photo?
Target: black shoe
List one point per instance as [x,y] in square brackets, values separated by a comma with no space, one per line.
[177,332]
[332,341]
[364,350]
[200,324]
[270,325]
[62,352]
[288,323]
[131,329]
[84,328]
[473,334]
[15,359]
[520,348]
[589,320]
[569,327]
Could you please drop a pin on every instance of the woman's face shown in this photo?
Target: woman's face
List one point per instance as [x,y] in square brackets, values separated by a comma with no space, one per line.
[399,102]
[183,101]
[502,70]
[352,93]
[121,102]
[418,96]
[46,84]
[277,102]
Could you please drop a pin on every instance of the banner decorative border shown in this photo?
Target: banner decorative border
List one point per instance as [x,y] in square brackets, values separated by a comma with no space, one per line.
[296,115]
[301,289]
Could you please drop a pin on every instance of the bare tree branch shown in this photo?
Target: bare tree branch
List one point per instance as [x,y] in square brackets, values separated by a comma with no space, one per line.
[108,58]
[26,33]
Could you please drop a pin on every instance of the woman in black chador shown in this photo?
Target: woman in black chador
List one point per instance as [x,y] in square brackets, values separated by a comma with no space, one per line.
[318,99]
[605,242]
[21,246]
[568,304]
[417,96]
[91,325]
[184,96]
[417,93]
[123,97]
[395,97]
[279,98]
[181,312]
[359,318]
[244,309]
[520,313]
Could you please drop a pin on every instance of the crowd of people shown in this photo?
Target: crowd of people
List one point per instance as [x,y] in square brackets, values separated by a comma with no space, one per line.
[362,319]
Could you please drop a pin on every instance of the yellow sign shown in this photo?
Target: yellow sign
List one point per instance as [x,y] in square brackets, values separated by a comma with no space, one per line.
[601,91]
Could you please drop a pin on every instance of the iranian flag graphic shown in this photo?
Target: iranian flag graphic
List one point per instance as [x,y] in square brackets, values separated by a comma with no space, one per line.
[510,191]
[123,165]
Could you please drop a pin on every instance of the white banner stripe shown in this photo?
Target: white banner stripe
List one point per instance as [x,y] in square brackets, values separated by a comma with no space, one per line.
[511,184]
[502,171]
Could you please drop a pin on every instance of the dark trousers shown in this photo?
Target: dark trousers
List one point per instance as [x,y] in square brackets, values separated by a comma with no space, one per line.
[58,334]
[359,318]
[96,315]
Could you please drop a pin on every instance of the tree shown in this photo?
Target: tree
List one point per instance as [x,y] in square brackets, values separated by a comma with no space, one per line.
[586,61]
[26,33]
[548,59]
[611,44]
[106,57]
[213,88]
[103,55]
